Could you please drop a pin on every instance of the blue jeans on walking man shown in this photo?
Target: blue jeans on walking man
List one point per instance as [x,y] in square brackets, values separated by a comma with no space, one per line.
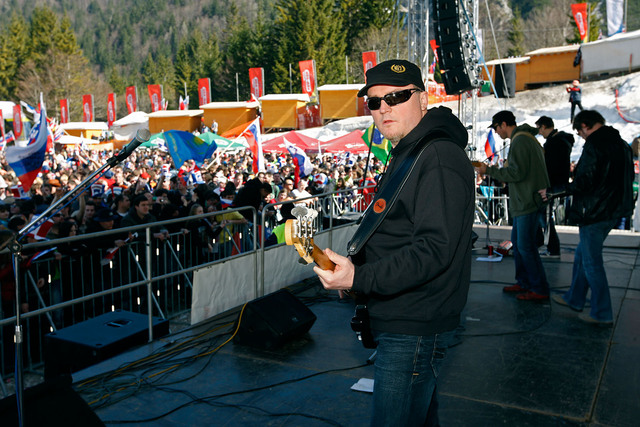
[588,272]
[529,270]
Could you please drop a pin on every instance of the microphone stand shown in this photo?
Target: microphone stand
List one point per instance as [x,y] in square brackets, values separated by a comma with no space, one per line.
[15,247]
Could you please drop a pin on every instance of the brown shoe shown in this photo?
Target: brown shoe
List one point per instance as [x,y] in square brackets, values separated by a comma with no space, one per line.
[514,289]
[532,296]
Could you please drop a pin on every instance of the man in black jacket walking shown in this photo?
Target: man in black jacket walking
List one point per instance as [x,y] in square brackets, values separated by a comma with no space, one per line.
[602,194]
[414,269]
[557,157]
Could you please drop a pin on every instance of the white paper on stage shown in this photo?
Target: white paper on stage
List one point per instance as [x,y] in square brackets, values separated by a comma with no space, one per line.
[363,384]
[490,258]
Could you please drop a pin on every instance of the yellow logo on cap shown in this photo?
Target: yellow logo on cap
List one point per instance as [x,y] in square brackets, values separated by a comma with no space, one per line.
[397,68]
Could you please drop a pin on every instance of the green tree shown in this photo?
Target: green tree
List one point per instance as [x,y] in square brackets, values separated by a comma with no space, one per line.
[189,66]
[42,28]
[64,38]
[516,35]
[360,15]
[308,29]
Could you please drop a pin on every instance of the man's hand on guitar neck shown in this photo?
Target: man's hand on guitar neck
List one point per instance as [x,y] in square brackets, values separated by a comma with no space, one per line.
[341,278]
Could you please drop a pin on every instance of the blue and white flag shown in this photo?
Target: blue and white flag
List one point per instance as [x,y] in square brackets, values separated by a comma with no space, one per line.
[27,161]
[615,17]
[300,159]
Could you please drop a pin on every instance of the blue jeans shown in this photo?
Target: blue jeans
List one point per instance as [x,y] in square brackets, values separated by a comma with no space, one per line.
[406,369]
[529,270]
[588,272]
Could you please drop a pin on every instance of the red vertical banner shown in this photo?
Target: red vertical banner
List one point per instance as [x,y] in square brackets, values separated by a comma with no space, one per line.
[256,81]
[64,111]
[131,98]
[580,14]
[111,109]
[17,121]
[308,76]
[1,125]
[155,97]
[204,91]
[369,59]
[87,108]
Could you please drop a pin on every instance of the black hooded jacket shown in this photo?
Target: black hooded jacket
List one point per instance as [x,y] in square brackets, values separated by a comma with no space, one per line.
[415,269]
[557,156]
[603,184]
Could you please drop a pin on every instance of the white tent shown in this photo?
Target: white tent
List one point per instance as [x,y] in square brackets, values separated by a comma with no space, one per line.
[617,53]
[126,128]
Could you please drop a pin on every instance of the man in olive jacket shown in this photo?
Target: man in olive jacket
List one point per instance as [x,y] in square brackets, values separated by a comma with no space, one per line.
[526,174]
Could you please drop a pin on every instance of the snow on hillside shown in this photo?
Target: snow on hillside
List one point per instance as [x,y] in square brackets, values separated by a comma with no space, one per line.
[528,106]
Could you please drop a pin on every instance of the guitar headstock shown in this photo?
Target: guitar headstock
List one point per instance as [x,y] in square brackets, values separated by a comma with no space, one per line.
[299,232]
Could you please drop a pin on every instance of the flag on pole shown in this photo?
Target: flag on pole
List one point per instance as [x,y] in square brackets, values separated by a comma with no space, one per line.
[27,161]
[615,17]
[185,146]
[490,146]
[380,146]
[254,139]
[580,14]
[41,231]
[303,166]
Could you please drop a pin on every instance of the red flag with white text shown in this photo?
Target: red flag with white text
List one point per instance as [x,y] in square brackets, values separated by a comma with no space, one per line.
[17,121]
[155,97]
[64,111]
[256,80]
[111,109]
[580,13]
[87,108]
[204,91]
[1,125]
[131,98]
[369,59]
[308,76]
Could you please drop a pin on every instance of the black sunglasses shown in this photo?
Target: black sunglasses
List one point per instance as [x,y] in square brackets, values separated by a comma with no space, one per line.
[391,99]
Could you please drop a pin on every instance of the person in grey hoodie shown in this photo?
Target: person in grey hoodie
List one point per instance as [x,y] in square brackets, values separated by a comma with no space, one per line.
[526,174]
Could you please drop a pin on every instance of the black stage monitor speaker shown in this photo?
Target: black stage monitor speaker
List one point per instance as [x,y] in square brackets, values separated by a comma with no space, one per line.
[505,80]
[84,344]
[270,321]
[456,81]
[52,403]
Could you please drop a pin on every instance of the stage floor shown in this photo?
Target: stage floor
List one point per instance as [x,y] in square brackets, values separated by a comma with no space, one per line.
[518,364]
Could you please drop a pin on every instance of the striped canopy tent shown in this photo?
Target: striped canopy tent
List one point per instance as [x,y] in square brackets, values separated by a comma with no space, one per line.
[276,145]
[351,142]
[223,143]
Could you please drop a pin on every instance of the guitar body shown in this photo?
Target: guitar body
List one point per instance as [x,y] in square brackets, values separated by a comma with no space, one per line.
[299,233]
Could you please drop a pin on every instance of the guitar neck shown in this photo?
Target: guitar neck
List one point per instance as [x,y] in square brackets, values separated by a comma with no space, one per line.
[322,259]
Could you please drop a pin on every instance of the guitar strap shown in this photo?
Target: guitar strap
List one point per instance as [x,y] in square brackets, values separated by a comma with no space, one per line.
[386,198]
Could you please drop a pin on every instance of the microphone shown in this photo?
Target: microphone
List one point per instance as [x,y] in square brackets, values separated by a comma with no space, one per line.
[142,135]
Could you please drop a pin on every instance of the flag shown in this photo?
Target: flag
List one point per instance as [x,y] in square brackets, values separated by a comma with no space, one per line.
[131,98]
[254,139]
[17,120]
[580,14]
[308,76]
[155,97]
[490,146]
[369,59]
[204,91]
[8,137]
[185,146]
[184,103]
[64,111]
[303,166]
[27,161]
[615,17]
[111,109]
[28,107]
[380,146]
[256,80]
[40,254]
[41,231]
[112,252]
[1,126]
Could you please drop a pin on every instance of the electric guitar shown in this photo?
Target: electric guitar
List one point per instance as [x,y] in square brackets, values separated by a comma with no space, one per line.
[299,233]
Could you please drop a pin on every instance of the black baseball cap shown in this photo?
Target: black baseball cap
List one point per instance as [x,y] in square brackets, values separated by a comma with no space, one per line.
[395,72]
[502,116]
